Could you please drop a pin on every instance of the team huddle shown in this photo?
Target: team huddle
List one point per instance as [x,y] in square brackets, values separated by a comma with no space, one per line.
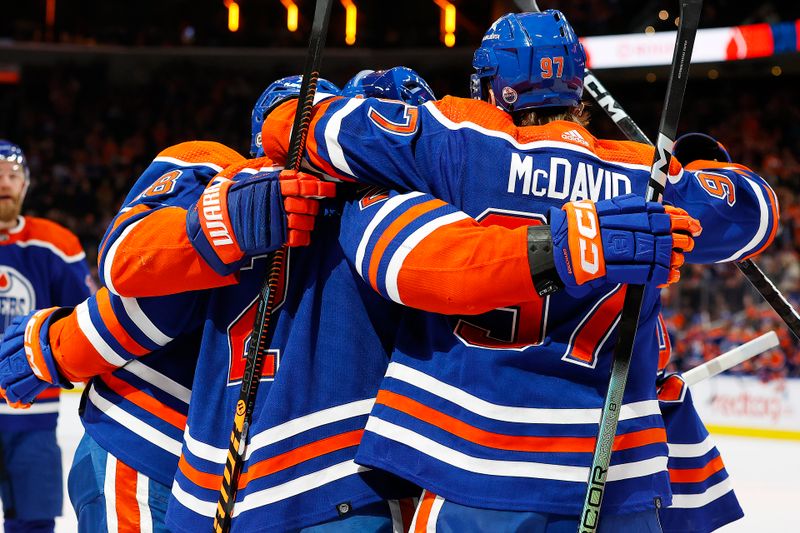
[441,342]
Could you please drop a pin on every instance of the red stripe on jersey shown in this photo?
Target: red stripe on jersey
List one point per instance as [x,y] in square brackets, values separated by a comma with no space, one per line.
[391,232]
[424,512]
[596,327]
[276,463]
[517,443]
[696,475]
[126,504]
[143,258]
[114,326]
[145,401]
[406,512]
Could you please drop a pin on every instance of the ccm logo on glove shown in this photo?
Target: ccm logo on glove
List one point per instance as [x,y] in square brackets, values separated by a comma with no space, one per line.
[585,238]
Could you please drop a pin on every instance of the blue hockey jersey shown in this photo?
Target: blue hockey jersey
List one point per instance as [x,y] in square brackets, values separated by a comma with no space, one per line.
[510,399]
[42,265]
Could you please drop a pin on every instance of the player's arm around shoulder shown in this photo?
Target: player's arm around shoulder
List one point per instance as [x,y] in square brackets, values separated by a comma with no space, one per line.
[419,251]
[146,251]
[737,208]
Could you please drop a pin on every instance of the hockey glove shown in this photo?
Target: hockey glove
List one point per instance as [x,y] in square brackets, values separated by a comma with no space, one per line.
[622,240]
[27,366]
[234,220]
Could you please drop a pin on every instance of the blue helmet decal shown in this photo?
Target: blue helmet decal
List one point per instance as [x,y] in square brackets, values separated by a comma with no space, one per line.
[277,92]
[396,83]
[530,60]
[13,153]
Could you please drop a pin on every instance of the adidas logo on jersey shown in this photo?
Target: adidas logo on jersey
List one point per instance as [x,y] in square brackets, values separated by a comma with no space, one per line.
[574,136]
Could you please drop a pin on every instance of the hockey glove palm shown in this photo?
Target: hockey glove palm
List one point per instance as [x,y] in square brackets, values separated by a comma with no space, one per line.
[27,366]
[622,240]
[234,220]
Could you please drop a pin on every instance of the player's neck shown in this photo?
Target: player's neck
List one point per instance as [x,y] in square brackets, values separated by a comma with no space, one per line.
[6,225]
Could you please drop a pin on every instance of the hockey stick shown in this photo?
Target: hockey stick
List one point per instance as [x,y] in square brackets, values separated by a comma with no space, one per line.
[256,351]
[731,358]
[755,275]
[634,295]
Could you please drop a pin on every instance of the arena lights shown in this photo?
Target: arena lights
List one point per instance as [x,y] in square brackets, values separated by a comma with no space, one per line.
[351,13]
[233,15]
[291,14]
[448,22]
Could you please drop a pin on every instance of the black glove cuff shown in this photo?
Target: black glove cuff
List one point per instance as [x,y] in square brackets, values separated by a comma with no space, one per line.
[540,259]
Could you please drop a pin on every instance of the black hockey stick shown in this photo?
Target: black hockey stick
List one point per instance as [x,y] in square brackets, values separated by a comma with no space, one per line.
[256,351]
[755,275]
[623,351]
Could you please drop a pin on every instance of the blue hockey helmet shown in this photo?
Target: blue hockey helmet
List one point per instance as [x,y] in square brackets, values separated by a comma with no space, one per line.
[530,60]
[277,92]
[13,153]
[396,83]
[693,146]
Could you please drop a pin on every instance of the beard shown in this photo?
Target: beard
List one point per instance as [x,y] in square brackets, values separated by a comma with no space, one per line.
[10,209]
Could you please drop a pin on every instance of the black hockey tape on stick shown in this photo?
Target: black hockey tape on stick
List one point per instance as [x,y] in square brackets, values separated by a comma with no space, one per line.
[629,323]
[257,351]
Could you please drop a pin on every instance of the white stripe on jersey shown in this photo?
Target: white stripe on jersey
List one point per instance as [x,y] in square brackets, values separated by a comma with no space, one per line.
[98,343]
[165,383]
[38,408]
[494,467]
[282,431]
[182,163]
[143,322]
[693,501]
[449,124]
[270,495]
[53,248]
[335,152]
[131,423]
[397,517]
[763,223]
[143,499]
[110,493]
[506,413]
[396,263]
[390,205]
[108,260]
[433,517]
[691,450]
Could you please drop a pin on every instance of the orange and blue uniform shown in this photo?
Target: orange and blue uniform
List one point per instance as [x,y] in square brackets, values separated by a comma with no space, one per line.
[511,398]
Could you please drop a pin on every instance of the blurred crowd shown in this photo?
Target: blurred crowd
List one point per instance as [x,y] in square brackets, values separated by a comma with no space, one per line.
[87,140]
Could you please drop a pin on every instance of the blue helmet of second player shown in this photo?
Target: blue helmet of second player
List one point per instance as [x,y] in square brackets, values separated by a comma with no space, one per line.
[530,60]
[13,154]
[277,92]
[396,83]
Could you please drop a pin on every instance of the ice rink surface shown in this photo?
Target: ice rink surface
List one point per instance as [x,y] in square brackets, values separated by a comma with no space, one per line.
[763,472]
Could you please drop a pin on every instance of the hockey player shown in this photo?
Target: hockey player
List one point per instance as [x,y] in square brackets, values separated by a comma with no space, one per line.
[134,416]
[41,264]
[299,467]
[510,399]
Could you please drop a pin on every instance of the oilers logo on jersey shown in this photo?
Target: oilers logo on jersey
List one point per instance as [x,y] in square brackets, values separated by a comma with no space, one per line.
[17,296]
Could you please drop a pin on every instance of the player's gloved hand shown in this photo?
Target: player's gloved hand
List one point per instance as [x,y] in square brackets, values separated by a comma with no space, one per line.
[301,194]
[27,366]
[622,240]
[253,216]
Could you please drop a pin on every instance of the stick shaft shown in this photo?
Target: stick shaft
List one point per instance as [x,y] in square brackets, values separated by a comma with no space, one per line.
[258,346]
[629,323]
[731,358]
